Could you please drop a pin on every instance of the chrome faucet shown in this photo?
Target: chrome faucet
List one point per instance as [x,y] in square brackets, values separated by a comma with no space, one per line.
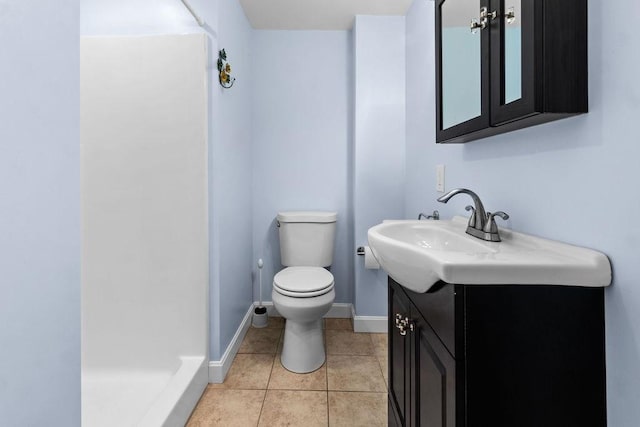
[435,216]
[482,224]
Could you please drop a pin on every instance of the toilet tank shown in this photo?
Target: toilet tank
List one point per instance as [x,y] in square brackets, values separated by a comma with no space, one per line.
[306,238]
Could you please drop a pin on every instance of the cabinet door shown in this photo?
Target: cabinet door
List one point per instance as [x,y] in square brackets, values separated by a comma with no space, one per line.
[462,68]
[538,60]
[512,60]
[399,363]
[434,379]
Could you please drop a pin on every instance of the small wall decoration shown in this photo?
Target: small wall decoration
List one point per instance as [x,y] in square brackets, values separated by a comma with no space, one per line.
[224,71]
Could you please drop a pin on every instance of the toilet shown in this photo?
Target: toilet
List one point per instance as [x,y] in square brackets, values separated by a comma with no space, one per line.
[303,292]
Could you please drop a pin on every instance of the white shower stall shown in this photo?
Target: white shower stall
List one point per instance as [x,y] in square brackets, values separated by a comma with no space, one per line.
[144,228]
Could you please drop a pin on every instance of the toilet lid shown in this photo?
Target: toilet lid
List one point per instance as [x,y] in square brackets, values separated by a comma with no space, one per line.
[303,281]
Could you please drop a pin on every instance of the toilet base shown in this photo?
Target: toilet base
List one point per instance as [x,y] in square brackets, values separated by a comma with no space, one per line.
[303,349]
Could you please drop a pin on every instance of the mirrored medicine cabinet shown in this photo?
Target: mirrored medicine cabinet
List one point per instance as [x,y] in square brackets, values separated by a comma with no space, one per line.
[503,65]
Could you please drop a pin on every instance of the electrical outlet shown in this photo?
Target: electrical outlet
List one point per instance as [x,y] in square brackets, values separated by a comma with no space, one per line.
[440,178]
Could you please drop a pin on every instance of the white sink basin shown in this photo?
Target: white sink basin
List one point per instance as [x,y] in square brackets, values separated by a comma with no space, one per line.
[418,254]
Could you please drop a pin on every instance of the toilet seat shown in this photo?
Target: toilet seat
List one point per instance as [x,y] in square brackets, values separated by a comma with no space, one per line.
[303,282]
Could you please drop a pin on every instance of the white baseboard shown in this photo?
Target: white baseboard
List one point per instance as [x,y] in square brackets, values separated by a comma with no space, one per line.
[340,310]
[218,369]
[369,324]
[271,310]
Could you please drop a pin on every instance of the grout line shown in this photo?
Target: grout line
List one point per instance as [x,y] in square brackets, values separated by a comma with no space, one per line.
[273,364]
[327,396]
[380,364]
[326,374]
[326,390]
[261,408]
[267,388]
[298,389]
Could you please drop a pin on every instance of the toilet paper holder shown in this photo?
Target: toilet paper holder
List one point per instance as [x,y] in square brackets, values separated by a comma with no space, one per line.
[370,261]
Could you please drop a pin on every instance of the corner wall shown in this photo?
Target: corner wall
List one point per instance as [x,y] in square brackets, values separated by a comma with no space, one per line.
[573,180]
[379,141]
[231,182]
[39,214]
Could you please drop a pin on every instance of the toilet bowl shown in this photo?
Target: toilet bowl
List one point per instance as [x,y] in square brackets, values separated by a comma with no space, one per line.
[303,295]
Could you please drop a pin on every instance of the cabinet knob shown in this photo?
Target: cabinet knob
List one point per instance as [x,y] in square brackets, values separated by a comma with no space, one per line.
[475,26]
[482,23]
[510,16]
[402,323]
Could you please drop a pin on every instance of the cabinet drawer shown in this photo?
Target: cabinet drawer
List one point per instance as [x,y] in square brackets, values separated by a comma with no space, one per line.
[438,307]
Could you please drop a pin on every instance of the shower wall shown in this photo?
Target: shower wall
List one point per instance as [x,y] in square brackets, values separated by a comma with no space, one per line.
[144,201]
[230,160]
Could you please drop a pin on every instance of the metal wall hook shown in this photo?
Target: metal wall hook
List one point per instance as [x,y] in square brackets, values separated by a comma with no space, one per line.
[224,70]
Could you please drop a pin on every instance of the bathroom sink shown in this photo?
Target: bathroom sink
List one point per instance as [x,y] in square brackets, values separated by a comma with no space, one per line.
[418,254]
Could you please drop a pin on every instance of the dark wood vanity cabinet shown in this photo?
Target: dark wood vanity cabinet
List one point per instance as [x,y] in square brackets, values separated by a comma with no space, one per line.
[422,372]
[524,63]
[496,356]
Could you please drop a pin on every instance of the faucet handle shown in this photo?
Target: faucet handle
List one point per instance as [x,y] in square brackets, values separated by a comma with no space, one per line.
[435,216]
[472,218]
[490,226]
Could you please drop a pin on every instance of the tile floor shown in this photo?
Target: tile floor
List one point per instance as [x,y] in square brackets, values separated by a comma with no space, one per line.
[350,389]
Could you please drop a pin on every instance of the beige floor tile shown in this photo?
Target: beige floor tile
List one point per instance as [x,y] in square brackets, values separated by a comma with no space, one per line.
[248,371]
[348,343]
[281,379]
[343,324]
[280,344]
[354,373]
[384,367]
[355,409]
[261,340]
[275,322]
[294,408]
[380,343]
[227,408]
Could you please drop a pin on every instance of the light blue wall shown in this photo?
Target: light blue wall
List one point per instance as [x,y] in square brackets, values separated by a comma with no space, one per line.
[379,141]
[230,240]
[39,214]
[231,180]
[301,140]
[574,180]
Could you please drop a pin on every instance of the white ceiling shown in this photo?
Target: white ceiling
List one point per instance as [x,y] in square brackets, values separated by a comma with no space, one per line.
[316,14]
